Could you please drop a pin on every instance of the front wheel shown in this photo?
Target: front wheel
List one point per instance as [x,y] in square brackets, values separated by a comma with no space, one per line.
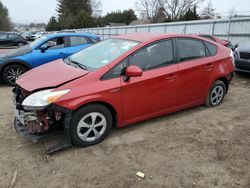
[12,72]
[90,125]
[216,94]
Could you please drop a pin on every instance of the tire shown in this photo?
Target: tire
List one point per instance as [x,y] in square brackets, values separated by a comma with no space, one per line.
[83,129]
[216,94]
[12,72]
[20,45]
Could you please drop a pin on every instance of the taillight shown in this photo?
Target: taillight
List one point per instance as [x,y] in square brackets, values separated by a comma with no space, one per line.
[232,57]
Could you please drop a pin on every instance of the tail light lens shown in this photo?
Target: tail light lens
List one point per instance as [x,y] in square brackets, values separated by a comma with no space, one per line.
[232,58]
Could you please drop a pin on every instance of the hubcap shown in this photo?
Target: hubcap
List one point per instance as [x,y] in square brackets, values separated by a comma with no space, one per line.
[91,127]
[217,95]
[13,74]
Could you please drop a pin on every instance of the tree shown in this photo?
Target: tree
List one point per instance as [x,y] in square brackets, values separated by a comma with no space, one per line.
[127,16]
[69,12]
[191,14]
[5,23]
[149,9]
[173,9]
[53,24]
[208,12]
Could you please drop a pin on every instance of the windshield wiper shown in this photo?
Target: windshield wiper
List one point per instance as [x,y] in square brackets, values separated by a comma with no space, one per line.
[78,64]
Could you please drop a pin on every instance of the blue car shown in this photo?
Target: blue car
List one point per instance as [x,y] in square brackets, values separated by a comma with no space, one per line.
[41,51]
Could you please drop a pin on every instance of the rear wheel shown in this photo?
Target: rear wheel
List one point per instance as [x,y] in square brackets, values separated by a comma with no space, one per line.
[216,94]
[12,72]
[90,125]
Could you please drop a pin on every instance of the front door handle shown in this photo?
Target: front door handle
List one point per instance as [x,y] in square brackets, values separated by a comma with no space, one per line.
[62,53]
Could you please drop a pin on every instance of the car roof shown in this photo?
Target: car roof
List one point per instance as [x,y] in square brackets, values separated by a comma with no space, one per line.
[144,37]
[73,34]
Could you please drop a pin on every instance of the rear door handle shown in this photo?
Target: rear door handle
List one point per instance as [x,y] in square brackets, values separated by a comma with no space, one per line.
[209,67]
[171,77]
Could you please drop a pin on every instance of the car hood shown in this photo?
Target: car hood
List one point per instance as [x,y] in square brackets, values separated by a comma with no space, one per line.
[18,52]
[49,75]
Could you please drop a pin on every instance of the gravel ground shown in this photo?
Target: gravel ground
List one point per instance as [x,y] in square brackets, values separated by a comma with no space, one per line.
[199,147]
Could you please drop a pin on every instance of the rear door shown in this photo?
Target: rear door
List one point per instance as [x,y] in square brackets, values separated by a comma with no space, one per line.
[194,72]
[154,91]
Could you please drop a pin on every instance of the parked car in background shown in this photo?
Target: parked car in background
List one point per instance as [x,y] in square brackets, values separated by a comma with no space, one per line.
[242,57]
[121,81]
[38,35]
[220,41]
[10,39]
[41,51]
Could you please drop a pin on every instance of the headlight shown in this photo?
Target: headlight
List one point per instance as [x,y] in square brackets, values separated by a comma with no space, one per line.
[42,99]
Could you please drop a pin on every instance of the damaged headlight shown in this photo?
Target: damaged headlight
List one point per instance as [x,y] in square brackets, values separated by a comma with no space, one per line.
[42,99]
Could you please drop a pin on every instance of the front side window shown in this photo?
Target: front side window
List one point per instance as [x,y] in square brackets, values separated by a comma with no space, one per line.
[116,71]
[3,36]
[157,55]
[189,49]
[55,43]
[103,53]
[77,41]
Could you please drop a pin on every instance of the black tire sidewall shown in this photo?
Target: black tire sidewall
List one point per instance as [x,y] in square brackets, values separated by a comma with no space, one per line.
[4,73]
[79,114]
[217,83]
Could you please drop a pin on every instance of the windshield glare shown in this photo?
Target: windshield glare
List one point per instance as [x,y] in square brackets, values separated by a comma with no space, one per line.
[34,43]
[102,53]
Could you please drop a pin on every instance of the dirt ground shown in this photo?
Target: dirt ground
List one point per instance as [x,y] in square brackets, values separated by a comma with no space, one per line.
[199,147]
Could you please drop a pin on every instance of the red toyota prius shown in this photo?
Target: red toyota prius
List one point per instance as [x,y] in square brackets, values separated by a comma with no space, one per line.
[120,81]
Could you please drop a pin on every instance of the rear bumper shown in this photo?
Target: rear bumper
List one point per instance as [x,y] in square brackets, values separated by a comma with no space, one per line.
[242,65]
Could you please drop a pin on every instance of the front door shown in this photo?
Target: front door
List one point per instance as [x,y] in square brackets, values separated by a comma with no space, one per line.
[57,49]
[154,91]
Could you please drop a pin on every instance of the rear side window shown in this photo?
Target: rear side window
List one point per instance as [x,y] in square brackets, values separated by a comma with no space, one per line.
[189,49]
[12,36]
[77,41]
[211,48]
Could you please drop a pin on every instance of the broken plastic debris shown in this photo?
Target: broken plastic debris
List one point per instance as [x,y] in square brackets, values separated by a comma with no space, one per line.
[140,174]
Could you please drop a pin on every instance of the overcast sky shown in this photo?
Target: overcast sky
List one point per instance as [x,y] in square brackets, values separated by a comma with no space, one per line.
[26,11]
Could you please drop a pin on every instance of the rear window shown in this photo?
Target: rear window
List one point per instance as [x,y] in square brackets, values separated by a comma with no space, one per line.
[211,48]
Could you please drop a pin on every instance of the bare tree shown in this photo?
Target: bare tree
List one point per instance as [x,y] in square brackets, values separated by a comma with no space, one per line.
[173,9]
[96,7]
[149,8]
[208,12]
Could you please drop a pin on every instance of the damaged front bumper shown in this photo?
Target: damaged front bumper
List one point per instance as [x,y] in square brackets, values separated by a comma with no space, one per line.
[36,124]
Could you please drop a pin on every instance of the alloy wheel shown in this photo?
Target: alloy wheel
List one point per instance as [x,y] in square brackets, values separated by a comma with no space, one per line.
[91,127]
[13,74]
[217,95]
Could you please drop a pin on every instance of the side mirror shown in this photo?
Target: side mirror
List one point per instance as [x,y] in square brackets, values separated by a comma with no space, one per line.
[133,71]
[236,46]
[43,48]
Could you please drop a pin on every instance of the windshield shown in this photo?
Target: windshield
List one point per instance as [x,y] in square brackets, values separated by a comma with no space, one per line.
[102,53]
[34,43]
